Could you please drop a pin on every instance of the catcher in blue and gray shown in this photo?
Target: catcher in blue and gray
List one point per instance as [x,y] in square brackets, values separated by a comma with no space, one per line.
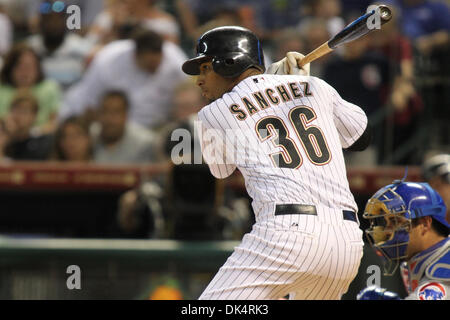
[408,229]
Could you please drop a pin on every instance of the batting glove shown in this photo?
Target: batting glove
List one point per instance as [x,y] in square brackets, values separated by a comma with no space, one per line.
[289,65]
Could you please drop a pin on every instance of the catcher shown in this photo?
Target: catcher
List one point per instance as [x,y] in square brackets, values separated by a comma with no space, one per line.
[407,223]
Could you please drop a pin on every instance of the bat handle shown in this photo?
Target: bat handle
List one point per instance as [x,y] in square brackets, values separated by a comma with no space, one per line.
[315,54]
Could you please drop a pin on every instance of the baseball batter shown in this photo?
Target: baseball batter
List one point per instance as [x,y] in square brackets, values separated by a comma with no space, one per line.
[285,133]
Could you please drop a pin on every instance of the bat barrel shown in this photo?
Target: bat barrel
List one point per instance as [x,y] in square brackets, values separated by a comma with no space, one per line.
[353,31]
[359,27]
[385,13]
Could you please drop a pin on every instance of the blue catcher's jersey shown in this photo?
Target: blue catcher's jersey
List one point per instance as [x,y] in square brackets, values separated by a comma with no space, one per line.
[428,273]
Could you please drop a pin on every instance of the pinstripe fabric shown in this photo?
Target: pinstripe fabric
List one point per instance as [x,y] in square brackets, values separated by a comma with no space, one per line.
[270,263]
[310,257]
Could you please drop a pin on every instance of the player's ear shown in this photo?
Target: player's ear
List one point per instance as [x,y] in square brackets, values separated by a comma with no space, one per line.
[425,223]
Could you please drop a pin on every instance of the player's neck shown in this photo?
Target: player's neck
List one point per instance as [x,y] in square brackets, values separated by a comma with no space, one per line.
[244,75]
[248,73]
[431,239]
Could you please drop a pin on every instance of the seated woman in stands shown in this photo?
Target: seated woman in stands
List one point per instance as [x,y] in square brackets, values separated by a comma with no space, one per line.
[22,70]
[73,142]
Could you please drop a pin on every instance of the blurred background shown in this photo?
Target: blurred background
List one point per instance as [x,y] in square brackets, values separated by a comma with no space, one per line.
[91,92]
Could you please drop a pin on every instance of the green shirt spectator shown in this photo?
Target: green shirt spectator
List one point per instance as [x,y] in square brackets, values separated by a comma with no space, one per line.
[48,94]
[22,70]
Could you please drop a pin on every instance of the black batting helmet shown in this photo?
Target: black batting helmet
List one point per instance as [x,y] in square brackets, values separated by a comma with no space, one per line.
[232,50]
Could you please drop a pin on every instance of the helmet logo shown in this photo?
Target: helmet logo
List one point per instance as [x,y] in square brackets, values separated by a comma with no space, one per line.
[202,47]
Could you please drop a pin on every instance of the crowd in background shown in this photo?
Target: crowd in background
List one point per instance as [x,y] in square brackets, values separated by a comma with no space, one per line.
[112,91]
[84,95]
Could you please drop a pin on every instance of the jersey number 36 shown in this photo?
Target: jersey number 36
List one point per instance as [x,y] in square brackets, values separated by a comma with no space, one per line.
[311,138]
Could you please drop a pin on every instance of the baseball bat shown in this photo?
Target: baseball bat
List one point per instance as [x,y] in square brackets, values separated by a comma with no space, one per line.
[353,31]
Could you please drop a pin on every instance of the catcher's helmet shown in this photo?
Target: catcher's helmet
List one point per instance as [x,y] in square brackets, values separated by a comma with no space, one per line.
[232,50]
[390,211]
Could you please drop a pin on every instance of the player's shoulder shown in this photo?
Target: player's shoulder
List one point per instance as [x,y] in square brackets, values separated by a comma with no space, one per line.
[210,109]
[258,82]
[312,80]
[439,265]
[320,82]
[279,78]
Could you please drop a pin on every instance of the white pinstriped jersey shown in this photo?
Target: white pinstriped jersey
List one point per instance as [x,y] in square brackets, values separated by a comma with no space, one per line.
[291,131]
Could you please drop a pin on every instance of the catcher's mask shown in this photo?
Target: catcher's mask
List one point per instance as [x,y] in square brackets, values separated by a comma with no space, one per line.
[390,211]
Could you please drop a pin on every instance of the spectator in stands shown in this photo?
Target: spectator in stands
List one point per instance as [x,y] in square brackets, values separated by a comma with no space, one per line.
[425,22]
[436,171]
[188,101]
[355,5]
[16,10]
[4,140]
[276,15]
[22,70]
[120,14]
[289,39]
[189,21]
[111,24]
[6,33]
[145,68]
[155,19]
[119,141]
[63,53]
[223,16]
[315,32]
[392,44]
[198,16]
[327,10]
[72,141]
[194,13]
[134,217]
[406,103]
[21,143]
[33,8]
[361,77]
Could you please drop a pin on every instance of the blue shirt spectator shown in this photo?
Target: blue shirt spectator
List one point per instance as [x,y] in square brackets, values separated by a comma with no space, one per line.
[422,17]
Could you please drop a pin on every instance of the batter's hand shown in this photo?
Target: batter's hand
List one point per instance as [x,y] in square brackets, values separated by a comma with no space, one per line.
[289,65]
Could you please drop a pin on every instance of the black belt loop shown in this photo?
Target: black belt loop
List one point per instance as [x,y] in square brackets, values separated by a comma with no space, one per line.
[283,209]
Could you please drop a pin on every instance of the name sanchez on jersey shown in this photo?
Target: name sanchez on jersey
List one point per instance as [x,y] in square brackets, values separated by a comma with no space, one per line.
[269,97]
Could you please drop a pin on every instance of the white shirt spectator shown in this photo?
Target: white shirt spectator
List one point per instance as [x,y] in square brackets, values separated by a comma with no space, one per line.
[162,26]
[6,33]
[66,64]
[104,23]
[115,68]
[137,146]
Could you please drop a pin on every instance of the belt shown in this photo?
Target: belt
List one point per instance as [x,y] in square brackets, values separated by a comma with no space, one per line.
[282,209]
